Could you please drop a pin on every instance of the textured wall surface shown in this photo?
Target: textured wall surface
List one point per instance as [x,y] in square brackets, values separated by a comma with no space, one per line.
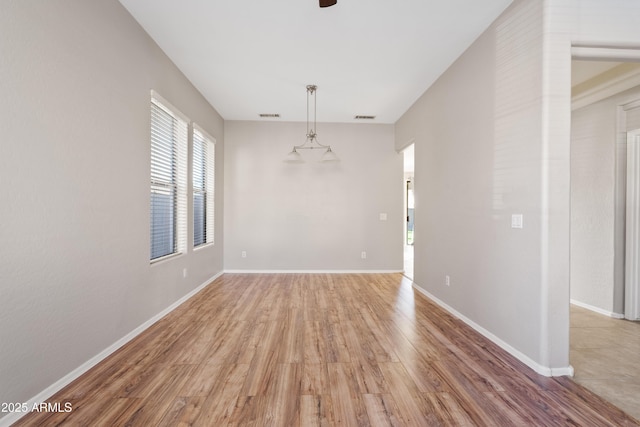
[477,161]
[75,277]
[492,138]
[313,215]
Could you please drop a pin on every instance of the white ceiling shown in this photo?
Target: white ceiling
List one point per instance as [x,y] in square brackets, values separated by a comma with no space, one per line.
[581,71]
[367,57]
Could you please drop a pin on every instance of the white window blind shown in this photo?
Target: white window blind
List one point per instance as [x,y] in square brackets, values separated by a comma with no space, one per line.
[203,187]
[168,180]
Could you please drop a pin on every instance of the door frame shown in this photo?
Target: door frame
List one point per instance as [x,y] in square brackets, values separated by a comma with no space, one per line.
[632,228]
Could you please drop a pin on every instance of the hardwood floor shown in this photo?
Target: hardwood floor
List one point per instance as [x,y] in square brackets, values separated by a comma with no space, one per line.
[318,350]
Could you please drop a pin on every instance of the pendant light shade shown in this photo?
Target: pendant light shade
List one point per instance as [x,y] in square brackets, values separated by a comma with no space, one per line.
[329,156]
[293,157]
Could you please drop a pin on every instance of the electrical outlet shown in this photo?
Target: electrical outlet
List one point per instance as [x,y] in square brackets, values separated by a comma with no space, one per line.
[363,255]
[447,280]
[244,254]
[517,221]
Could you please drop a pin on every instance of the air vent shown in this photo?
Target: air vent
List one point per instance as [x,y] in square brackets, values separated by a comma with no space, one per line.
[270,115]
[364,117]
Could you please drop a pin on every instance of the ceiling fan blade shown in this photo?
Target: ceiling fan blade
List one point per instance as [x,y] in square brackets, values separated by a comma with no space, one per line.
[327,3]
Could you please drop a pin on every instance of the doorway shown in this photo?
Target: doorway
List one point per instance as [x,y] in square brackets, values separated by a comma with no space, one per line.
[603,115]
[599,338]
[410,204]
[409,209]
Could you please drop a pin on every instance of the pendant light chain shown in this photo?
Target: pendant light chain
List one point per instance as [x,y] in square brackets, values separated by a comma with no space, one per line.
[311,91]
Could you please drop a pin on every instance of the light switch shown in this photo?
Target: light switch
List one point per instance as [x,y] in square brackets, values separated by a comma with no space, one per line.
[516,221]
[383,217]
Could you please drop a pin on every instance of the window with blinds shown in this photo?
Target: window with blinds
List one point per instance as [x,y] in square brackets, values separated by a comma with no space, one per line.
[203,187]
[168,180]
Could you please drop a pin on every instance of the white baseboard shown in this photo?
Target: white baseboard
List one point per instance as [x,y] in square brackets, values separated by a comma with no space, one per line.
[312,271]
[71,376]
[542,370]
[597,309]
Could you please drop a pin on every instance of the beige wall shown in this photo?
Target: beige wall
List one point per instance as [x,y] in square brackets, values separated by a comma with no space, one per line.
[477,147]
[492,139]
[75,277]
[312,215]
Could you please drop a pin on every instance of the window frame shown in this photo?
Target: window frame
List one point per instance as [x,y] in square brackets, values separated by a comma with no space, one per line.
[178,173]
[207,189]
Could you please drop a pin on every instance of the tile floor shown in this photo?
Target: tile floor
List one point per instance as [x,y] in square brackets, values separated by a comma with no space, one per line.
[605,354]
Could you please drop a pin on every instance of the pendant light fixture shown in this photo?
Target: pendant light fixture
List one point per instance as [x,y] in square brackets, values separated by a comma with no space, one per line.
[311,142]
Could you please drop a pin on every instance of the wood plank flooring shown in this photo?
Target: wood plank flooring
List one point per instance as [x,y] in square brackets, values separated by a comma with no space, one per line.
[318,350]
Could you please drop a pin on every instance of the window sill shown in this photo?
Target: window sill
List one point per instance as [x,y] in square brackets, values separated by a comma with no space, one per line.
[165,258]
[203,246]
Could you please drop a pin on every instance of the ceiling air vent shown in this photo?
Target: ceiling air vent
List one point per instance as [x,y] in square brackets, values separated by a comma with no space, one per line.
[270,115]
[364,117]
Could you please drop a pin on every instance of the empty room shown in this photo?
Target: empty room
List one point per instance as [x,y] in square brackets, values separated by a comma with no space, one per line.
[204,212]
